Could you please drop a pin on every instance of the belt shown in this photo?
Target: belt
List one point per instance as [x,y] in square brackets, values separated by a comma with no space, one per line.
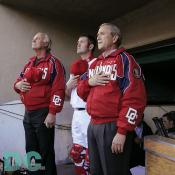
[80,109]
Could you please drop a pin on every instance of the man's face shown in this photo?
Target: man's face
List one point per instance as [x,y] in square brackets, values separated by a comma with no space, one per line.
[82,45]
[168,124]
[38,42]
[104,38]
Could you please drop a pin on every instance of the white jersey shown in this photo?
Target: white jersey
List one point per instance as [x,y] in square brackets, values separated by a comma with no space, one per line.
[81,119]
[76,101]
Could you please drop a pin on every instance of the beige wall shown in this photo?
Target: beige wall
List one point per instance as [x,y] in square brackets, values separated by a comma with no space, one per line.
[16,31]
[151,23]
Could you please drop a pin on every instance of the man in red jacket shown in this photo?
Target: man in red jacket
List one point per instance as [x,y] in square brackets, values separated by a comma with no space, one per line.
[41,86]
[116,99]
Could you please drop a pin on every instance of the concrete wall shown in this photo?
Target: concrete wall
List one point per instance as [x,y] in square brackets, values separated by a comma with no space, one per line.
[151,23]
[16,32]
[12,131]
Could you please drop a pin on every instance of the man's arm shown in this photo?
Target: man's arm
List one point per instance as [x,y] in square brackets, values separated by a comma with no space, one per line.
[57,94]
[132,103]
[84,86]
[57,89]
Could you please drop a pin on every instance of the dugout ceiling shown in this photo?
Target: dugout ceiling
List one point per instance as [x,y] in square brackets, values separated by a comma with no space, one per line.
[77,11]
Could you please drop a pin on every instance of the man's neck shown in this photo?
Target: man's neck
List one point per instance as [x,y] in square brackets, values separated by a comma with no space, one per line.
[109,51]
[40,54]
[86,56]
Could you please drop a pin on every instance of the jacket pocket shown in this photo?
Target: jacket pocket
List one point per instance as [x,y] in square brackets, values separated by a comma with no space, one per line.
[37,95]
[38,91]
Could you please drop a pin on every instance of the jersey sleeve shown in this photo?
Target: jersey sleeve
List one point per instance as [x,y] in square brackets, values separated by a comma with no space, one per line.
[134,98]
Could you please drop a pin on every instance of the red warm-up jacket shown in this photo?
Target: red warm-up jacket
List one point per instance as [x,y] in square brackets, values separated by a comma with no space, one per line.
[123,99]
[47,80]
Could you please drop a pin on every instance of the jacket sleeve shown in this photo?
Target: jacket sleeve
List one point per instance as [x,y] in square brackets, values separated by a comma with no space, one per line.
[21,76]
[83,89]
[133,99]
[58,88]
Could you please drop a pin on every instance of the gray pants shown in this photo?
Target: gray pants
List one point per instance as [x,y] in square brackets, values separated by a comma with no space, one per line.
[102,160]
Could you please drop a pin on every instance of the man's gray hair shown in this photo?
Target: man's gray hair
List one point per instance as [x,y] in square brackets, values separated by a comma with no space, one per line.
[114,31]
[46,40]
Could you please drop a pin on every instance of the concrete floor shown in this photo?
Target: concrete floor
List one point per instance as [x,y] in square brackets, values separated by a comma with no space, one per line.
[65,169]
[62,169]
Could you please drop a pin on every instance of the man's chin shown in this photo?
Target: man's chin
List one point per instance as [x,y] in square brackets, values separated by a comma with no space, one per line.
[36,48]
[100,48]
[33,47]
[79,52]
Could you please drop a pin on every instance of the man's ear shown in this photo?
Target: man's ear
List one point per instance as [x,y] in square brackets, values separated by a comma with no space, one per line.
[91,46]
[115,38]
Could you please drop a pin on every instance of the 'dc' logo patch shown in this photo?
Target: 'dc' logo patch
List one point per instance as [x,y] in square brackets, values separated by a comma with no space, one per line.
[57,100]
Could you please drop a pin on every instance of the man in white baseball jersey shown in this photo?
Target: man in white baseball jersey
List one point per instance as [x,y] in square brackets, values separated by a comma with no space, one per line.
[81,119]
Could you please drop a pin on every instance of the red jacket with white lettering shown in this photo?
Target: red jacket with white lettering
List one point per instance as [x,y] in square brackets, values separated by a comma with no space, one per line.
[47,79]
[123,99]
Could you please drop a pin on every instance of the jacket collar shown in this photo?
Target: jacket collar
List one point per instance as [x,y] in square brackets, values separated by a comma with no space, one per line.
[48,56]
[113,53]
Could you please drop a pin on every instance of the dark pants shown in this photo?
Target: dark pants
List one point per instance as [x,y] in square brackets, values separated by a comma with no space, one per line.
[40,139]
[102,160]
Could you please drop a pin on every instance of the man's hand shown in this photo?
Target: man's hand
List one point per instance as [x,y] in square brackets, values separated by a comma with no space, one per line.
[23,85]
[71,84]
[118,143]
[50,120]
[99,79]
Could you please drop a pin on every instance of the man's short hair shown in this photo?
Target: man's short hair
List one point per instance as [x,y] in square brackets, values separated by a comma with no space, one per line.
[91,40]
[114,31]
